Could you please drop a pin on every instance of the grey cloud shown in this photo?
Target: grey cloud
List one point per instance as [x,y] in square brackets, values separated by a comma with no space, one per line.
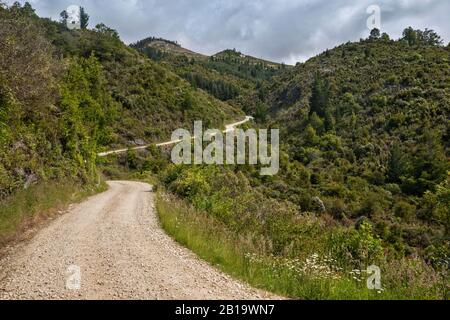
[280,30]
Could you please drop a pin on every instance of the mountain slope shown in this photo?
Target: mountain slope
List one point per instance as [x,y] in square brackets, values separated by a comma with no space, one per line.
[68,94]
[374,97]
[158,47]
[229,75]
[364,175]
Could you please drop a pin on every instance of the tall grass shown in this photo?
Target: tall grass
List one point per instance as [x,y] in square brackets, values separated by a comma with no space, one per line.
[27,207]
[235,255]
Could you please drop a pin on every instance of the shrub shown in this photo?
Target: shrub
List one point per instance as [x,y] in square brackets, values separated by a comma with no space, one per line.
[356,248]
[404,210]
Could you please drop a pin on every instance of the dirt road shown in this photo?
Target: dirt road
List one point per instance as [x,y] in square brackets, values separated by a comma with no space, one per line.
[112,247]
[228,128]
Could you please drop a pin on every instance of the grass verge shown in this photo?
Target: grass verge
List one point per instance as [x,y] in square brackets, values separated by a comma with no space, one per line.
[26,208]
[313,280]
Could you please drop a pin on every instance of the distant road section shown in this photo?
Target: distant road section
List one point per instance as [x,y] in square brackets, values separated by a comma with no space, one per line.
[228,128]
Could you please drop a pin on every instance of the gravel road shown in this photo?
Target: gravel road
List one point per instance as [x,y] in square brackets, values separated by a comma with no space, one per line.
[112,247]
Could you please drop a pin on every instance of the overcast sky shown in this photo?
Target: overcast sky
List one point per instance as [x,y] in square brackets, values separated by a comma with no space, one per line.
[279,30]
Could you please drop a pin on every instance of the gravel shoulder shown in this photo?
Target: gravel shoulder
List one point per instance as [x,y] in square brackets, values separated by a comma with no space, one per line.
[112,247]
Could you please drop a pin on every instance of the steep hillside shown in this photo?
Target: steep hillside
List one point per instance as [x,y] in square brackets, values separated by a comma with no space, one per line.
[228,75]
[364,175]
[364,162]
[377,99]
[368,123]
[154,101]
[65,95]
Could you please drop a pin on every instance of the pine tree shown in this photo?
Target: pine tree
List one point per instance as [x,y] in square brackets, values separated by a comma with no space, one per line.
[385,37]
[410,36]
[319,101]
[396,165]
[84,18]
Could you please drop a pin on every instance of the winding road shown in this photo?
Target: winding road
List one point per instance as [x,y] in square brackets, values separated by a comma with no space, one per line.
[111,246]
[228,128]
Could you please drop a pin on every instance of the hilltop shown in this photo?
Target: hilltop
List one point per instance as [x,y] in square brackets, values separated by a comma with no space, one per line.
[153,47]
[238,57]
[230,75]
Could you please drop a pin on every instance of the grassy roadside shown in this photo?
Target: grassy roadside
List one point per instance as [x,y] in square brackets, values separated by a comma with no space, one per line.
[315,279]
[27,208]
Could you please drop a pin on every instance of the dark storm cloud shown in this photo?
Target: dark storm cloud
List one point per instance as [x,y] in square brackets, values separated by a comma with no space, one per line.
[280,30]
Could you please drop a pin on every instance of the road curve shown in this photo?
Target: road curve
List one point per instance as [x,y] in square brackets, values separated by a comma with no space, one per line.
[121,251]
[228,128]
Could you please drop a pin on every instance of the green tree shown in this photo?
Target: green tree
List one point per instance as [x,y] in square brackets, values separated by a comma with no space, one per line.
[84,18]
[102,28]
[374,34]
[428,165]
[385,37]
[396,165]
[439,202]
[431,38]
[28,9]
[320,97]
[422,38]
[87,112]
[63,17]
[410,36]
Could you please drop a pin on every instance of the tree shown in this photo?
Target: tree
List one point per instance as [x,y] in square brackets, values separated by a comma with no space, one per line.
[396,165]
[310,136]
[374,34]
[422,38]
[439,203]
[84,18]
[319,101]
[431,38]
[410,36]
[28,9]
[15,6]
[385,37]
[63,17]
[102,28]
[428,165]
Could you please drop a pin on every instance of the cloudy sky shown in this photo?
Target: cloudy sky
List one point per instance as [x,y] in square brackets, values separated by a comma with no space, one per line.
[280,30]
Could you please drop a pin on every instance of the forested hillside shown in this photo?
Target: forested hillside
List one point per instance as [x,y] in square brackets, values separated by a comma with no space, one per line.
[66,95]
[364,167]
[364,173]
[229,75]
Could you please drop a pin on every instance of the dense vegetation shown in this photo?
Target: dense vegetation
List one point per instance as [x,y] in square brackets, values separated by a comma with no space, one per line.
[364,173]
[49,107]
[67,94]
[228,75]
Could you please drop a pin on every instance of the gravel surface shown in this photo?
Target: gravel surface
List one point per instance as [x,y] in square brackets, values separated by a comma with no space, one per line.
[112,247]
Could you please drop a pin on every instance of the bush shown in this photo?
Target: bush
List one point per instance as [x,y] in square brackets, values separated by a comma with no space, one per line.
[404,210]
[356,248]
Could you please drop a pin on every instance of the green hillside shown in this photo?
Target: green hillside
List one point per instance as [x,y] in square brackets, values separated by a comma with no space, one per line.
[65,95]
[364,166]
[364,175]
[229,75]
